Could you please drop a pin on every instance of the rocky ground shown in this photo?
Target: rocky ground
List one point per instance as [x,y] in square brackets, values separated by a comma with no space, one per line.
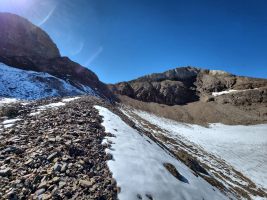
[57,154]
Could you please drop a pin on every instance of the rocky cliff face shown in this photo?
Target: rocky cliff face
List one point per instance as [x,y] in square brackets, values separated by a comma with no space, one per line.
[21,38]
[188,84]
[27,47]
[171,87]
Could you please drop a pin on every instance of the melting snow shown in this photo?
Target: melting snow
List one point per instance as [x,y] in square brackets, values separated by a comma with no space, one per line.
[7,100]
[10,122]
[70,99]
[53,105]
[138,166]
[244,147]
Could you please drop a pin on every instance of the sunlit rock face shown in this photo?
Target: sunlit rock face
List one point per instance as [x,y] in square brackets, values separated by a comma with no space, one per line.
[19,37]
[189,84]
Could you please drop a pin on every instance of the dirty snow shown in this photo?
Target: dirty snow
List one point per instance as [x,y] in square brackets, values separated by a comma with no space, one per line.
[53,105]
[244,147]
[138,166]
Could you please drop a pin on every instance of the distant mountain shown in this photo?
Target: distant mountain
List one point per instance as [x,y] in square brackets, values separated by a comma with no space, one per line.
[194,95]
[188,84]
[27,47]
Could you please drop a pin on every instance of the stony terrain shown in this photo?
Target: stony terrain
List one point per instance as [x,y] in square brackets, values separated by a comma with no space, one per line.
[56,154]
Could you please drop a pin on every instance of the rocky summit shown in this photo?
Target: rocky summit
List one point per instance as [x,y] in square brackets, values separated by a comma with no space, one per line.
[189,84]
[195,95]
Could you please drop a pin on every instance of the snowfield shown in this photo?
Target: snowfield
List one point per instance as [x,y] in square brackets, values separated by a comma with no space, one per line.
[139,171]
[243,147]
[23,84]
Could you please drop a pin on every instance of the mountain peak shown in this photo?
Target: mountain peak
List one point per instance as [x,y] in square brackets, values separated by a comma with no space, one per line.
[19,37]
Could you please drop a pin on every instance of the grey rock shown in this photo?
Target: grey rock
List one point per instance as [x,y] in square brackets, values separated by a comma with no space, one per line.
[52,156]
[57,167]
[5,172]
[85,183]
[40,191]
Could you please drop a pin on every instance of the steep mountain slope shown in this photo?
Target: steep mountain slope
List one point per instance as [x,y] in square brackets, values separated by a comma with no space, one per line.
[23,84]
[232,158]
[27,47]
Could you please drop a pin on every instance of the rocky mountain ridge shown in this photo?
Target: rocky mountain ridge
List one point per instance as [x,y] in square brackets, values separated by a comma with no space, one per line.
[189,84]
[27,47]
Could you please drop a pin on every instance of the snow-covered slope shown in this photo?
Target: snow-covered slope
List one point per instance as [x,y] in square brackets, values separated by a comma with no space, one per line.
[138,167]
[243,147]
[22,84]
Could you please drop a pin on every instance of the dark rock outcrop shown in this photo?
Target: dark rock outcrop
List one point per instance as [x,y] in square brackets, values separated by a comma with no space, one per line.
[188,84]
[25,46]
[171,87]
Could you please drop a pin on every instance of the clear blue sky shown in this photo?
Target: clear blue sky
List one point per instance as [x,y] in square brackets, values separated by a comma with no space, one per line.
[124,39]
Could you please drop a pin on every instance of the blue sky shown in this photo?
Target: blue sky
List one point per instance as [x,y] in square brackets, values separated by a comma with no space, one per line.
[124,39]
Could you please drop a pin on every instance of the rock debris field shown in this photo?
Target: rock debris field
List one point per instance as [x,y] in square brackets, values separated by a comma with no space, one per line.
[57,154]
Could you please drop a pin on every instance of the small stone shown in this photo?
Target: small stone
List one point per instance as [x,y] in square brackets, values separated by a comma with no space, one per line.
[52,156]
[61,184]
[51,139]
[68,142]
[28,162]
[139,196]
[57,167]
[64,167]
[149,196]
[85,183]
[12,195]
[40,191]
[58,138]
[55,180]
[46,196]
[43,184]
[5,172]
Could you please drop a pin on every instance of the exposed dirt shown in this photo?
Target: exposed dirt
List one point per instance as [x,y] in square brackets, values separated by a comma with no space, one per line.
[204,112]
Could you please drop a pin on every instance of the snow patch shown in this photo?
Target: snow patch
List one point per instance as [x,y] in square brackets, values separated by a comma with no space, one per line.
[10,122]
[30,85]
[70,99]
[7,100]
[230,91]
[51,105]
[138,166]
